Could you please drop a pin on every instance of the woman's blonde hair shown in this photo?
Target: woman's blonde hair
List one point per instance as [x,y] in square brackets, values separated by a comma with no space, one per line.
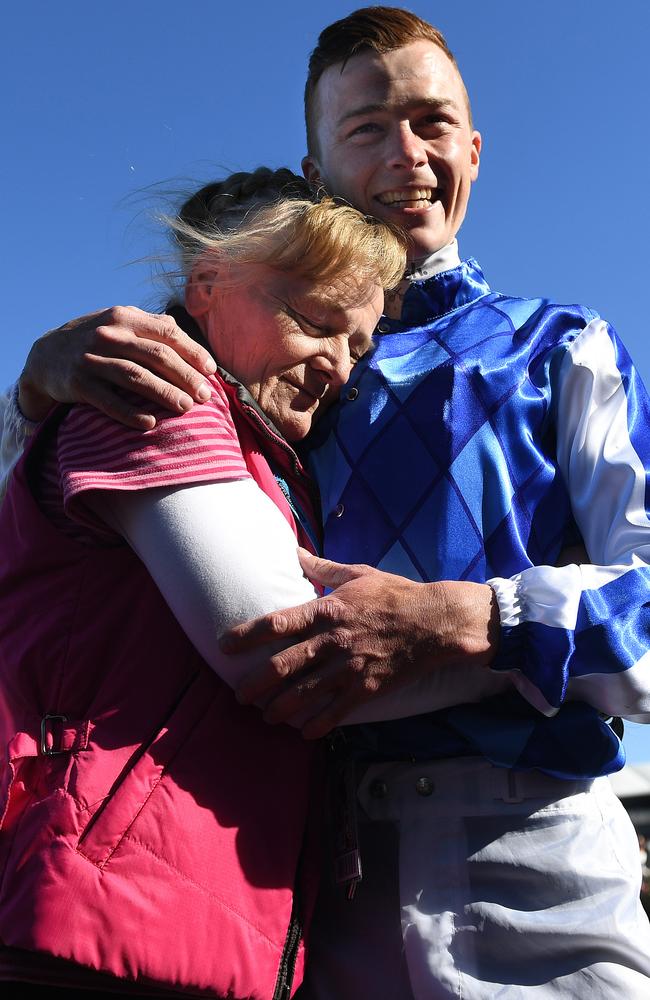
[273,218]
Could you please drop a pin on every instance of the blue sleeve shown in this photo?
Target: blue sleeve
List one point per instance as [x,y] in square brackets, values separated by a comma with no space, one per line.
[583,632]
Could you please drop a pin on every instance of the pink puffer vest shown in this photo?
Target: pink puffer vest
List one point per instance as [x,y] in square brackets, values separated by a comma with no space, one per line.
[151,828]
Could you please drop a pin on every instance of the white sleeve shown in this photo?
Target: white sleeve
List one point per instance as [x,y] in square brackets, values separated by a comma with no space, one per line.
[15,431]
[583,632]
[222,553]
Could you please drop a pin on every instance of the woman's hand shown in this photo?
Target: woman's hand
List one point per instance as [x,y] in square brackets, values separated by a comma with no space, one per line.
[95,358]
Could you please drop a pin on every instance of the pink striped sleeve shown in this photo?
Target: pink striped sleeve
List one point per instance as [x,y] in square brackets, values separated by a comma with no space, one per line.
[96,453]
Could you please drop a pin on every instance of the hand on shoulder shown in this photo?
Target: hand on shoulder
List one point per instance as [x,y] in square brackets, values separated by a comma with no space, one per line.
[94,358]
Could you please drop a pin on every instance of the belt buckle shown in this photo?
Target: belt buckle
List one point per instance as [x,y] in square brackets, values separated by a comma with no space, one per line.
[45,728]
[511,793]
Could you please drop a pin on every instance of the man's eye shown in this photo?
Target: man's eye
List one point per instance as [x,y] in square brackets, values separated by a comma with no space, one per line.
[434,121]
[366,128]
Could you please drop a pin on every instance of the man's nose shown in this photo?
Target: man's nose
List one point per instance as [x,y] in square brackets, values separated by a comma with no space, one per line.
[406,148]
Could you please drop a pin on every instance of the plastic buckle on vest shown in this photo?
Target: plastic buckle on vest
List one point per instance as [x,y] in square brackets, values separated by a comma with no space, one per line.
[48,748]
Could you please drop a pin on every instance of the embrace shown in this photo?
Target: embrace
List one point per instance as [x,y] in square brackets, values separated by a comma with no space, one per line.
[219,780]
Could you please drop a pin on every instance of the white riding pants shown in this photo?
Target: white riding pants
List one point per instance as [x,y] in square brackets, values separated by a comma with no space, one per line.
[481,883]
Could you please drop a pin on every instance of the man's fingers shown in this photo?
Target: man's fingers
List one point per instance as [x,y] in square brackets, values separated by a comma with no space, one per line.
[156,356]
[306,694]
[103,398]
[168,333]
[349,687]
[279,668]
[129,375]
[326,571]
[329,717]
[145,353]
[290,623]
[318,700]
[155,327]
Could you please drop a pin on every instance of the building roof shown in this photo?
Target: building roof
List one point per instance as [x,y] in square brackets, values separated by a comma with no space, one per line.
[633,781]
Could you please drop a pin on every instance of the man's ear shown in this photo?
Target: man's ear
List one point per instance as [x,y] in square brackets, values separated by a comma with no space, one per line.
[475,155]
[200,291]
[311,170]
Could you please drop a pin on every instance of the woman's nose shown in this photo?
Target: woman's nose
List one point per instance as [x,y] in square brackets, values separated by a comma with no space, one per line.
[335,362]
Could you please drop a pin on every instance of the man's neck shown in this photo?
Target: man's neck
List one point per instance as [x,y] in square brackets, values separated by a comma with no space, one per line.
[419,270]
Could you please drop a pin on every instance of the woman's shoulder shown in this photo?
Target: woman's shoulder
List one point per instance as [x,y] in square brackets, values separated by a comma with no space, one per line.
[96,452]
[83,421]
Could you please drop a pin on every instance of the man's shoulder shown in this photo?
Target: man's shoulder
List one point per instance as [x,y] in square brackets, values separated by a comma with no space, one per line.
[541,324]
[524,310]
[470,294]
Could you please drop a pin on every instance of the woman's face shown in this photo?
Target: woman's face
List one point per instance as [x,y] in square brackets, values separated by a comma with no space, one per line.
[291,341]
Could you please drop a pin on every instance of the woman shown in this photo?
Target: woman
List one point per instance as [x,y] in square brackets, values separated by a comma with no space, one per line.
[154,832]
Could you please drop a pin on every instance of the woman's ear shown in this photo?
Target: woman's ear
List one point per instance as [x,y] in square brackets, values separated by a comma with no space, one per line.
[200,291]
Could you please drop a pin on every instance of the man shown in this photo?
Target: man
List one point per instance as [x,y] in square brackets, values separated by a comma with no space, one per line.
[483,438]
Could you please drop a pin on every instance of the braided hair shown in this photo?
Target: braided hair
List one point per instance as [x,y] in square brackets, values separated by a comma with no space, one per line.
[273,217]
[223,205]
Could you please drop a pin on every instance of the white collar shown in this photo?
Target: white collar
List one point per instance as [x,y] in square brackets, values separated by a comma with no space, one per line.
[442,260]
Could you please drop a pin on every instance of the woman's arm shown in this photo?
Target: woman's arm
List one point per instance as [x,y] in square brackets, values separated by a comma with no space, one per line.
[215,551]
[222,553]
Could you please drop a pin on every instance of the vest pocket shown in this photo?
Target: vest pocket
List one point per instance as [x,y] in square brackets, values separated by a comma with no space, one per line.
[134,785]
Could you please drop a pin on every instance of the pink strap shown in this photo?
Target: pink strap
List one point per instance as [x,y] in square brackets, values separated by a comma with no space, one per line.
[57,735]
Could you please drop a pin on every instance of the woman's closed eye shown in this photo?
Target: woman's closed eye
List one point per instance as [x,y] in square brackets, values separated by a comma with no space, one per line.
[305,321]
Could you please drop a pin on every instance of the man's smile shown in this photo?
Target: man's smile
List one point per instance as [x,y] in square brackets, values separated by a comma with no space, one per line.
[409,197]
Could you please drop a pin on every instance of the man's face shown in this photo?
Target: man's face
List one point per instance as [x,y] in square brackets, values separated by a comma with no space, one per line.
[394,138]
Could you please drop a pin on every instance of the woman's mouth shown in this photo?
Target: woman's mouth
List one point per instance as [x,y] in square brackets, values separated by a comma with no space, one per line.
[311,397]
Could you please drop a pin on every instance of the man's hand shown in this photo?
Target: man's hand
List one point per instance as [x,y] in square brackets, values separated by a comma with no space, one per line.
[91,359]
[374,632]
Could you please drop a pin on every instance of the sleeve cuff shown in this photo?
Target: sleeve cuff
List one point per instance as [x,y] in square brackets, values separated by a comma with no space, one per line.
[509,594]
[16,420]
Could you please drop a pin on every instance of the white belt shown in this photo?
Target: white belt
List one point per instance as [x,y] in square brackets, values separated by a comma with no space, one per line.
[470,785]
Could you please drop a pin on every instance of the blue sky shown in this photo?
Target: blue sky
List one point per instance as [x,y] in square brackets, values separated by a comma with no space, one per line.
[105,100]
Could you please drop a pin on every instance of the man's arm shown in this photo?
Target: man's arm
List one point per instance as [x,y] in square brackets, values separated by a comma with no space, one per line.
[15,432]
[98,359]
[95,358]
[582,632]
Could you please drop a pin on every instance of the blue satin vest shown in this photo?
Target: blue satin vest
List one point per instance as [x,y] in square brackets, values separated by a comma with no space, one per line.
[439,464]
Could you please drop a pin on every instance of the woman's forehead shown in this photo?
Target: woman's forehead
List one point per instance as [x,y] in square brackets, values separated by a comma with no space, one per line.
[345,291]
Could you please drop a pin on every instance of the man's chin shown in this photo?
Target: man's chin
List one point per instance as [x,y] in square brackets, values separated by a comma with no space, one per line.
[426,231]
[426,240]
[420,250]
